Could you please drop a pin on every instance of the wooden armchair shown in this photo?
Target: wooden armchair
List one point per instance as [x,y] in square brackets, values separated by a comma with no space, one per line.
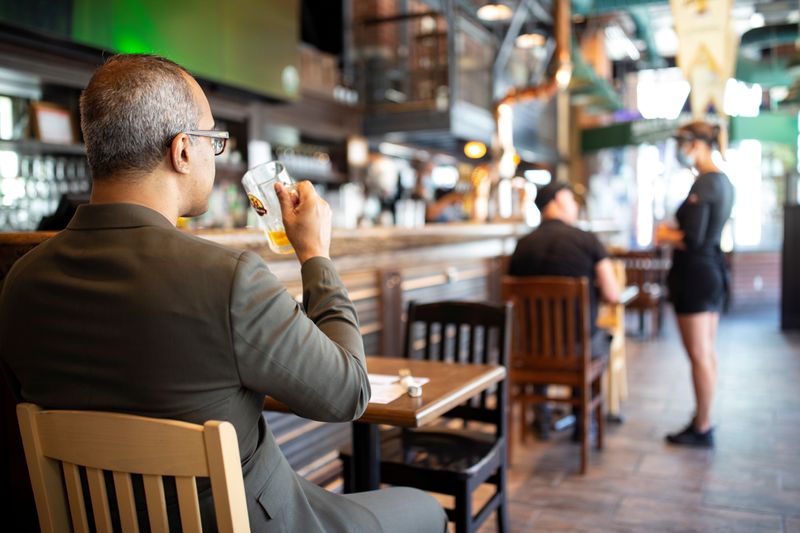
[551,345]
[59,445]
[447,459]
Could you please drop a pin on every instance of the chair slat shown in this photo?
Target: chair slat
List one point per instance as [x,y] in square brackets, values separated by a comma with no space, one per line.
[156,504]
[126,502]
[531,331]
[77,507]
[99,495]
[558,328]
[572,327]
[428,341]
[472,350]
[188,503]
[547,328]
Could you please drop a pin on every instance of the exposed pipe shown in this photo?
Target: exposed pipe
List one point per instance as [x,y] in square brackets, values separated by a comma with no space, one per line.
[563,64]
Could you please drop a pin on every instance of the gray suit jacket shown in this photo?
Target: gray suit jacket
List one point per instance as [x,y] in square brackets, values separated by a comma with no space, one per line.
[122,312]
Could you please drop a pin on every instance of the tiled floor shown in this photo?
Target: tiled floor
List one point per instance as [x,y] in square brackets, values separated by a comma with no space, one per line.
[749,482]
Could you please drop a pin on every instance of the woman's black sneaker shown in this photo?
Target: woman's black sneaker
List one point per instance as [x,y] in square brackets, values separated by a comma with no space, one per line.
[691,437]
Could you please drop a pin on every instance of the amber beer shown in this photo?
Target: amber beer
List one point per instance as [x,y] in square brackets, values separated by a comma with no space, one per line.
[259,183]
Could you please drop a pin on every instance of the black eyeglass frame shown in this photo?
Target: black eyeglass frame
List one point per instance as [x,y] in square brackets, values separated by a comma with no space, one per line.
[218,138]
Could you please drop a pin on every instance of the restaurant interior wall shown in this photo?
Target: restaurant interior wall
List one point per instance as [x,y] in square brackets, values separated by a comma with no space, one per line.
[38,67]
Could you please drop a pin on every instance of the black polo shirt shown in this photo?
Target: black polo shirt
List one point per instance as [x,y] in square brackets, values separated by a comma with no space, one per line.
[558,249]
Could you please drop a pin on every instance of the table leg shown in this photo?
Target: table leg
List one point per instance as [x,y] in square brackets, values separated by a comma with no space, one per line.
[366,457]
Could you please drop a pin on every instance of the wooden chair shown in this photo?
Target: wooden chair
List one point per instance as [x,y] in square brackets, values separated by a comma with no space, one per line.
[60,444]
[647,269]
[551,345]
[458,457]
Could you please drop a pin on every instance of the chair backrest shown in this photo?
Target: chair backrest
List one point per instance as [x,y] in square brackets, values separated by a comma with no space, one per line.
[60,444]
[551,322]
[466,332]
[643,267]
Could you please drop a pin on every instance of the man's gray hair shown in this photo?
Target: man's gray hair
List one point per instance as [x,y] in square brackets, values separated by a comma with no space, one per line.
[131,109]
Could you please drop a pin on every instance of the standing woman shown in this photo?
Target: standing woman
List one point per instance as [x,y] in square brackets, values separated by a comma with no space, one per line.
[698,278]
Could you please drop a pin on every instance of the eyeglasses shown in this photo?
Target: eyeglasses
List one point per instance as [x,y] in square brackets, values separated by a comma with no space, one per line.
[218,138]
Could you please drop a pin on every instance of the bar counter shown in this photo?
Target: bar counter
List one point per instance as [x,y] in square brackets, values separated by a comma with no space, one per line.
[382,247]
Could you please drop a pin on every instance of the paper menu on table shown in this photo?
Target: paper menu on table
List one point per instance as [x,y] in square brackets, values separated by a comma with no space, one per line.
[387,388]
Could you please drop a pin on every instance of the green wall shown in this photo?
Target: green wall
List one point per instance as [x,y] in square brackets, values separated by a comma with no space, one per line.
[243,43]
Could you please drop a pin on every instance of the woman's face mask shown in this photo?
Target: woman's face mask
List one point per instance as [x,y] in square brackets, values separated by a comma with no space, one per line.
[686,159]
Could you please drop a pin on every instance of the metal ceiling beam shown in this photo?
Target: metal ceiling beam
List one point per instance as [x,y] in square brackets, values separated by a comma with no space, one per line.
[539,11]
[504,53]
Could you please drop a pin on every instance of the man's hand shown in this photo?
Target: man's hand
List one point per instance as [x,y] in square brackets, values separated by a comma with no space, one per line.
[307,219]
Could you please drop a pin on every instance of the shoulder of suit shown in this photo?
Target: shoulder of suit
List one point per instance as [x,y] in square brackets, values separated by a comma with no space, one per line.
[207,246]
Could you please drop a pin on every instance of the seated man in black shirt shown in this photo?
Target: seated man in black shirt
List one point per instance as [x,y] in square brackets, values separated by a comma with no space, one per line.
[557,248]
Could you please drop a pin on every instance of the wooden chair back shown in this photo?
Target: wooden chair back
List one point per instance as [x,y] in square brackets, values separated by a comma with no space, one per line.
[551,322]
[466,332]
[60,444]
[645,268]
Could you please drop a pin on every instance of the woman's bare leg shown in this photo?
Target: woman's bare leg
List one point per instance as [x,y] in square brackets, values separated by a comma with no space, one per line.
[698,331]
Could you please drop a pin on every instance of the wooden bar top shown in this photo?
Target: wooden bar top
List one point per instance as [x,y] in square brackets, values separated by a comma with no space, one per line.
[450,385]
[356,249]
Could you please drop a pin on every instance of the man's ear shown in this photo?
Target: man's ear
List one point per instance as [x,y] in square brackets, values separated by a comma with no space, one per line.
[179,153]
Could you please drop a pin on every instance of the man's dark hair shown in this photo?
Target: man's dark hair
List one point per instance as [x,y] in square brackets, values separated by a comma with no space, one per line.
[547,194]
[131,108]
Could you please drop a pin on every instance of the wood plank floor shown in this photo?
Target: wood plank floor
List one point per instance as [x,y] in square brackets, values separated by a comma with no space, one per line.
[749,482]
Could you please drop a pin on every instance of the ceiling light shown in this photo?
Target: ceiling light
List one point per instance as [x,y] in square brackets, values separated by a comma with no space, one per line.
[530,37]
[495,12]
[474,149]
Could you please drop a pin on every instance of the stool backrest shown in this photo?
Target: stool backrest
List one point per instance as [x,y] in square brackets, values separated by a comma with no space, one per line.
[60,444]
[551,322]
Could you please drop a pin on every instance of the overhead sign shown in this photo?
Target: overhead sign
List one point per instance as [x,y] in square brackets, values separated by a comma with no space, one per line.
[774,127]
[707,46]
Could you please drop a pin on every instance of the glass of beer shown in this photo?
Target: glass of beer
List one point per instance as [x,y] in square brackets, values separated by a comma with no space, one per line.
[259,183]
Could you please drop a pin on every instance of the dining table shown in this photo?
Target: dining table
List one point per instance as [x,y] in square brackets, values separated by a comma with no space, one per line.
[449,385]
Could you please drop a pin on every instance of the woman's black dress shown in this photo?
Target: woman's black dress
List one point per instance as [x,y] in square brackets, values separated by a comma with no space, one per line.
[698,278]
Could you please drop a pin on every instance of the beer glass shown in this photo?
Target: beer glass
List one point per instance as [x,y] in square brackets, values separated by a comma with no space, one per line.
[259,183]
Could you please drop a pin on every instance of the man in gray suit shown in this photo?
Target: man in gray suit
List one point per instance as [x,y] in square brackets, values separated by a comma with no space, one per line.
[123,312]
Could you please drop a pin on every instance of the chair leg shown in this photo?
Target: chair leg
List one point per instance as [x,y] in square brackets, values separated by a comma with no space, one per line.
[586,427]
[599,416]
[612,387]
[463,511]
[347,476]
[656,319]
[641,322]
[510,431]
[502,508]
[523,421]
[622,383]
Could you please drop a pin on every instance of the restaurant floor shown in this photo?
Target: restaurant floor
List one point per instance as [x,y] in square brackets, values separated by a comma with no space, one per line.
[749,482]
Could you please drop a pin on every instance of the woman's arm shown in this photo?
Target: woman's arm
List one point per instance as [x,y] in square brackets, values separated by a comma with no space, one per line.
[666,234]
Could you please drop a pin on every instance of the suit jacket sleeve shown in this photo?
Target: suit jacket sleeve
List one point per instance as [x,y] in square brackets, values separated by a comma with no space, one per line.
[312,361]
